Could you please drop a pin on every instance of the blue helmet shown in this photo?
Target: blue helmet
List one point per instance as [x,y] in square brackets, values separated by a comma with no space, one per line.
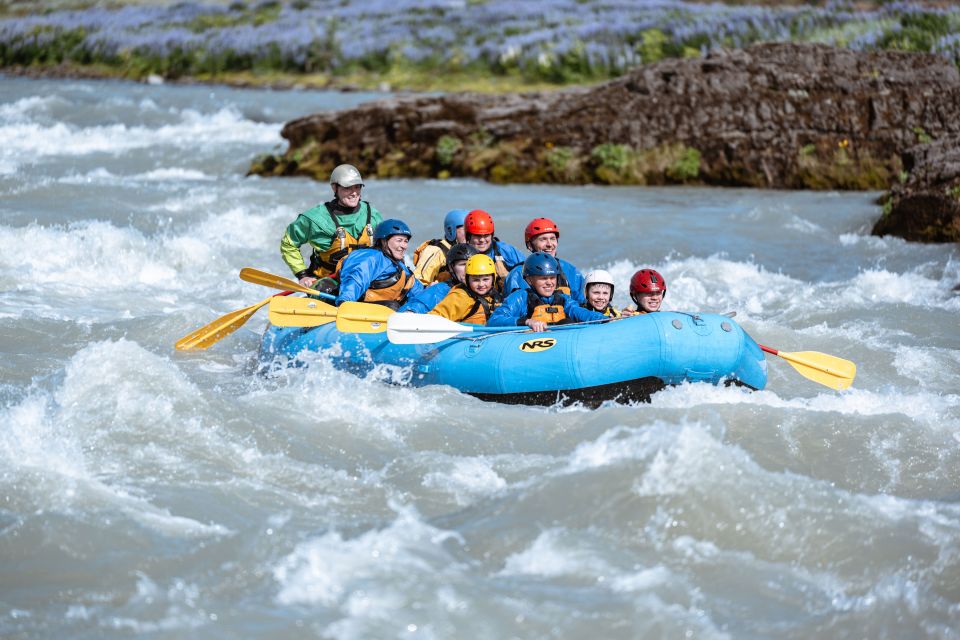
[451,221]
[391,227]
[541,264]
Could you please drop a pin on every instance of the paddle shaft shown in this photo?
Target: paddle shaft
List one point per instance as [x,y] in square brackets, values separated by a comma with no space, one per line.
[265,279]
[830,365]
[211,333]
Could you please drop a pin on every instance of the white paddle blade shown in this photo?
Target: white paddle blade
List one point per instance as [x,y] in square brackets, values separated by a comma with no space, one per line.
[419,328]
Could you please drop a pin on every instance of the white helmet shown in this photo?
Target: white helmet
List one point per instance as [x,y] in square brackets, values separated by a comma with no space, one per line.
[599,276]
[346,175]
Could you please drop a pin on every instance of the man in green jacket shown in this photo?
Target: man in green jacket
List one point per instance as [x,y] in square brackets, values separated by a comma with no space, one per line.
[333,229]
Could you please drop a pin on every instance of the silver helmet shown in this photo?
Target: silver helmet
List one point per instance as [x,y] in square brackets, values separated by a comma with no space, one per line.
[346,175]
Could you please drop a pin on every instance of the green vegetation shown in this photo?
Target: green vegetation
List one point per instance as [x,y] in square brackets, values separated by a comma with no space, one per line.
[447,148]
[488,45]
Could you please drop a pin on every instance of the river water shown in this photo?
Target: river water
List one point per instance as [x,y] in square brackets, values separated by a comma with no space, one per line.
[150,493]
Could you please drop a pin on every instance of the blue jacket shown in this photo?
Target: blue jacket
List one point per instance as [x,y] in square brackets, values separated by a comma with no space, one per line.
[362,267]
[511,255]
[515,281]
[513,311]
[426,300]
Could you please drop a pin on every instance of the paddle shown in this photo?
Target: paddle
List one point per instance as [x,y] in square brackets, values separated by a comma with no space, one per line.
[363,317]
[351,317]
[419,328]
[212,333]
[300,312]
[256,276]
[830,371]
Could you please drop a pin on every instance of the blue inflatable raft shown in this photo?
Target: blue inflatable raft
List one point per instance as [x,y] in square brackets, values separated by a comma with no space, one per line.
[626,359]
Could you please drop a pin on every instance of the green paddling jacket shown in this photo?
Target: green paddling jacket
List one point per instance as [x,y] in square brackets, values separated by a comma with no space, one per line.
[332,231]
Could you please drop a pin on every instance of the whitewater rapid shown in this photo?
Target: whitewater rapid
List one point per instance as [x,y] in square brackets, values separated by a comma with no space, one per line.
[146,492]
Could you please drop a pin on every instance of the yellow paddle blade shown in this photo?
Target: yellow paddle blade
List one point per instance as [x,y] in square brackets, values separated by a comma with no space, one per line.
[256,276]
[362,317]
[300,312]
[209,334]
[830,371]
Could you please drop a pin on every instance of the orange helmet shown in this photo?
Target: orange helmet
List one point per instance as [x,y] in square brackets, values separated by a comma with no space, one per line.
[539,226]
[478,222]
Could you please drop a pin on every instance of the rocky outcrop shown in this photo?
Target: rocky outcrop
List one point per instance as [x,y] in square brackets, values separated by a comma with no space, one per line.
[925,207]
[773,115]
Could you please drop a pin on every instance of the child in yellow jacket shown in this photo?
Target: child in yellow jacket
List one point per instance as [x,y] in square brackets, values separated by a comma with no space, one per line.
[472,302]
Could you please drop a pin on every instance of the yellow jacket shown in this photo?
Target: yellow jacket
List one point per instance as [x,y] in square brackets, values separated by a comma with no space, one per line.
[460,305]
[429,258]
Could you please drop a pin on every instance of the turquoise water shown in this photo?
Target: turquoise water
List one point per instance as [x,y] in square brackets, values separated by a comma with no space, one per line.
[153,493]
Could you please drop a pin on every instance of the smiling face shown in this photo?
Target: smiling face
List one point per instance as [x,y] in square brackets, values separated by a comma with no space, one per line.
[348,197]
[545,242]
[481,243]
[396,246]
[649,302]
[480,285]
[543,285]
[599,295]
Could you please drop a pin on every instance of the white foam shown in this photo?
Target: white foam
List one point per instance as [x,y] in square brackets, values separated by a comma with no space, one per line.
[103,176]
[467,479]
[329,569]
[66,444]
[551,555]
[194,129]
[25,109]
[926,407]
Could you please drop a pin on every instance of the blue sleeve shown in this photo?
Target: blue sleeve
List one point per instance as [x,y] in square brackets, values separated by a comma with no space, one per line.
[575,280]
[514,281]
[427,299]
[511,255]
[577,313]
[417,287]
[358,271]
[511,313]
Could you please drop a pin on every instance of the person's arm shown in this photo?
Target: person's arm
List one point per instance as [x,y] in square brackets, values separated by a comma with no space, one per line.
[512,313]
[576,282]
[357,273]
[426,299]
[417,287]
[298,233]
[454,306]
[577,313]
[514,281]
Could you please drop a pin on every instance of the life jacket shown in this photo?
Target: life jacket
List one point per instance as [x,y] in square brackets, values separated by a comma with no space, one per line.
[550,312]
[442,273]
[324,263]
[610,312]
[482,307]
[436,242]
[392,290]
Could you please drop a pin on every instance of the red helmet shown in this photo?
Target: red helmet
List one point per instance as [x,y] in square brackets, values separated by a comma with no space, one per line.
[540,226]
[478,222]
[647,281]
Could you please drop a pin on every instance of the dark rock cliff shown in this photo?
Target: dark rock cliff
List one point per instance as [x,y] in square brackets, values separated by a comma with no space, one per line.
[773,115]
[926,206]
